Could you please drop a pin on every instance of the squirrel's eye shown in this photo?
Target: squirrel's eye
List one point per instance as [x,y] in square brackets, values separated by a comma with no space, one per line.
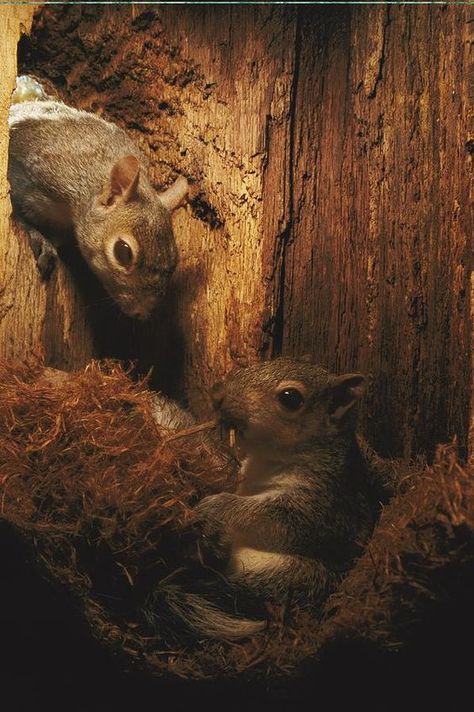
[291,398]
[123,253]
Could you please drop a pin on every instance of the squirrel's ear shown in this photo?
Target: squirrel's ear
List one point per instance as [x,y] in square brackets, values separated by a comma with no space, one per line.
[344,392]
[123,182]
[174,196]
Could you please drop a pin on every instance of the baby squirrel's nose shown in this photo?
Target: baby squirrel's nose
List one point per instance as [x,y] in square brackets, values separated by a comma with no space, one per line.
[217,394]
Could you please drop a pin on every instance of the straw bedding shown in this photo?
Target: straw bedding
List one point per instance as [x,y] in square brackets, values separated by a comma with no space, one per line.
[103,497]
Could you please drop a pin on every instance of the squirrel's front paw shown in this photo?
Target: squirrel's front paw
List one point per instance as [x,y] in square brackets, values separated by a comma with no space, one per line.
[214,545]
[44,252]
[209,516]
[214,506]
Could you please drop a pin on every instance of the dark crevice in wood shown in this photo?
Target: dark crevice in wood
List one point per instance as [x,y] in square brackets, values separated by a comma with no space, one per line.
[330,150]
[373,93]
[286,236]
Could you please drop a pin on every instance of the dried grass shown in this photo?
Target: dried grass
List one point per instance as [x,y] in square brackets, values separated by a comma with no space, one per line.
[104,498]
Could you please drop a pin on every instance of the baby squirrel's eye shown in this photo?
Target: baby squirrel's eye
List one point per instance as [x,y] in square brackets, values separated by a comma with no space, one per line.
[291,399]
[123,253]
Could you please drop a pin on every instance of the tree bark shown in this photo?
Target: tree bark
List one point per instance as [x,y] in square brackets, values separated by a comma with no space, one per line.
[378,262]
[48,318]
[331,147]
[201,98]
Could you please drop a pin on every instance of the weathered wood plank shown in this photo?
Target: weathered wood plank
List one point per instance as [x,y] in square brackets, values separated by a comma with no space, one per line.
[49,317]
[206,92]
[332,149]
[377,271]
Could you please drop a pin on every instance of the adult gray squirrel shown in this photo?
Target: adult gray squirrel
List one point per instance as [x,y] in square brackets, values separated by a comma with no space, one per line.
[74,175]
[302,509]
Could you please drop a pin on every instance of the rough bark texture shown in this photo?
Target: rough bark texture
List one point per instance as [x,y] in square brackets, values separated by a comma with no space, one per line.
[205,92]
[332,148]
[33,315]
[377,271]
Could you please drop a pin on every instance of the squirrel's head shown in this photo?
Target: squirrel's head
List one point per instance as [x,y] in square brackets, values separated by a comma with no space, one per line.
[129,242]
[287,404]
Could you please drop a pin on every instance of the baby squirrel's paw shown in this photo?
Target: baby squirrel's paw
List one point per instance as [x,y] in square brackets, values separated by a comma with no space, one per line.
[44,252]
[214,546]
[209,523]
[214,506]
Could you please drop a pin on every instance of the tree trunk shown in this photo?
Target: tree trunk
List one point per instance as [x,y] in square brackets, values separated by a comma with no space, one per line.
[331,147]
[49,318]
[377,269]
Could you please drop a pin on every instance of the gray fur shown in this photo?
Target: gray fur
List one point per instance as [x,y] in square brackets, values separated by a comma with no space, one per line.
[302,508]
[169,414]
[60,162]
[207,620]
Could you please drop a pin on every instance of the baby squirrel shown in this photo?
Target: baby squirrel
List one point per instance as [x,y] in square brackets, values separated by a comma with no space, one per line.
[302,508]
[72,174]
[168,414]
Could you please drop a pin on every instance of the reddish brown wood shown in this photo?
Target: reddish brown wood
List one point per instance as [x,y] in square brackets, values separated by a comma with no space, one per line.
[206,92]
[377,269]
[332,148]
[49,317]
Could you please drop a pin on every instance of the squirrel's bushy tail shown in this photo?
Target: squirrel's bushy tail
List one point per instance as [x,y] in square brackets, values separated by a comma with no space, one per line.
[208,610]
[171,607]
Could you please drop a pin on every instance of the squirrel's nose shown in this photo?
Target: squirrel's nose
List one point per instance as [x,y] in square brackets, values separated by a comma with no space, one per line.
[217,394]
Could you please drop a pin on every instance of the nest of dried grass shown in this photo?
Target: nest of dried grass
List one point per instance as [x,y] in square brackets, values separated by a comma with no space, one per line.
[103,496]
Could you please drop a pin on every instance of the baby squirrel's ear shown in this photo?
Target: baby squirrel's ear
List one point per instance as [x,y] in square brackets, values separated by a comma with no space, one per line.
[122,184]
[174,196]
[344,392]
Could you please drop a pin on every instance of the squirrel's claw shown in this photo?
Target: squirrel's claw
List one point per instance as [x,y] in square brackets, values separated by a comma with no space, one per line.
[45,253]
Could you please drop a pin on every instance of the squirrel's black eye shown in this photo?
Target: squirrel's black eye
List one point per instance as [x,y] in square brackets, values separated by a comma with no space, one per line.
[123,253]
[291,398]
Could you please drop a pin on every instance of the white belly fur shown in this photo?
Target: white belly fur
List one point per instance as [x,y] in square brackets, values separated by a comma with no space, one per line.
[243,558]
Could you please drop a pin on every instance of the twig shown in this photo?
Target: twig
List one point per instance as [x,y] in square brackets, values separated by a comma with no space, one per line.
[191,431]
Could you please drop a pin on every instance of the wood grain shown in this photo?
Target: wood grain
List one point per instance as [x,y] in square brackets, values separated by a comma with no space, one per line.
[206,92]
[49,318]
[330,150]
[378,262]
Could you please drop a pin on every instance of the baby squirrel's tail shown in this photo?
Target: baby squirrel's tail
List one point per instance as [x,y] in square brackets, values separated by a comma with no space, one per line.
[171,607]
[208,609]
[28,89]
